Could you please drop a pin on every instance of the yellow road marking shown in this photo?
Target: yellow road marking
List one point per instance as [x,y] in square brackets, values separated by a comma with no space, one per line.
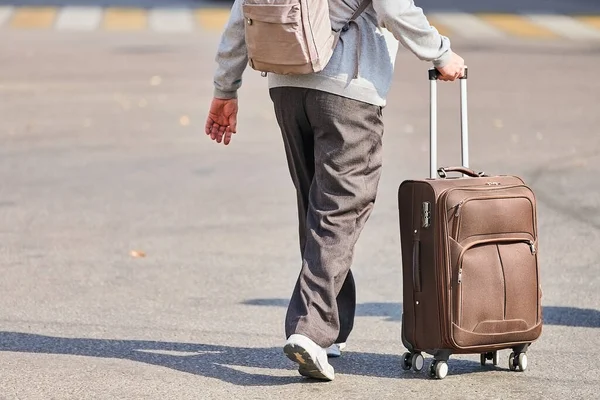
[443,30]
[516,25]
[213,19]
[125,19]
[33,17]
[592,20]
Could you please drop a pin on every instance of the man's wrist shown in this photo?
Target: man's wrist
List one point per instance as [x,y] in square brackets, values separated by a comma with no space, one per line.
[225,95]
[443,60]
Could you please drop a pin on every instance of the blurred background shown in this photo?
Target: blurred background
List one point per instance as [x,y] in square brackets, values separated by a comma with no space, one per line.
[536,18]
[141,260]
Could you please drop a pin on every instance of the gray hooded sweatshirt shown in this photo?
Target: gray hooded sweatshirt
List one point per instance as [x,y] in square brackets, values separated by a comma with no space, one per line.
[381,27]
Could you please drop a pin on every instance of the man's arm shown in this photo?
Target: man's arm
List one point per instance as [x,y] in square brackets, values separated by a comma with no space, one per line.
[232,55]
[232,58]
[408,24]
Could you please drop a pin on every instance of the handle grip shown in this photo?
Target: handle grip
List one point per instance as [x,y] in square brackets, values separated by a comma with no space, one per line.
[434,74]
[464,121]
[443,172]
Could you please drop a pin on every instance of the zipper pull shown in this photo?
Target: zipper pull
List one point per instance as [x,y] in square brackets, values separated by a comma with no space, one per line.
[458,206]
[532,247]
[460,275]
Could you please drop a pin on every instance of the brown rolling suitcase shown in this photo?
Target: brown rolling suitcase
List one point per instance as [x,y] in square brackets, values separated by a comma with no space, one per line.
[469,260]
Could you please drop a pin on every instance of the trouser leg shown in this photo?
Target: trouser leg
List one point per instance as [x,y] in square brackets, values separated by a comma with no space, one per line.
[347,154]
[298,142]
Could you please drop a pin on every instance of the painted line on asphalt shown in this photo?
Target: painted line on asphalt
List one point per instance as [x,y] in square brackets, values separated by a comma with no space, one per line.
[185,20]
[441,28]
[171,20]
[565,26]
[33,17]
[125,19]
[79,18]
[212,19]
[5,13]
[467,25]
[591,20]
[517,25]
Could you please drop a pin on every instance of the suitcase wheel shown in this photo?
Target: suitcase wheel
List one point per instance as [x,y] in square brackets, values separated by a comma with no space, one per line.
[412,360]
[517,361]
[438,369]
[493,356]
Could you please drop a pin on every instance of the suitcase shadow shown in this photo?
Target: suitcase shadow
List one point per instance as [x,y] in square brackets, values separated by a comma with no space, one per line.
[389,366]
[571,316]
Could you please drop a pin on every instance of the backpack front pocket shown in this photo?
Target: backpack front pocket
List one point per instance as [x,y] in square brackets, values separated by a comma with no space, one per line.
[275,34]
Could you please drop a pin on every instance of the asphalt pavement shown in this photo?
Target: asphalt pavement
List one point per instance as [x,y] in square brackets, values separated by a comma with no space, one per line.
[140,260]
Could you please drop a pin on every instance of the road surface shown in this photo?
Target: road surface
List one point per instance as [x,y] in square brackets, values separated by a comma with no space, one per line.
[140,260]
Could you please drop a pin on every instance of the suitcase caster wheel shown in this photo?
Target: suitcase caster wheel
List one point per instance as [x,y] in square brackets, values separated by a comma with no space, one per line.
[406,361]
[522,361]
[438,369]
[417,362]
[412,360]
[489,356]
[517,361]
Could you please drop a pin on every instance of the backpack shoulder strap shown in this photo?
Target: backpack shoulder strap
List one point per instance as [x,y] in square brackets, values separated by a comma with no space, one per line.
[362,7]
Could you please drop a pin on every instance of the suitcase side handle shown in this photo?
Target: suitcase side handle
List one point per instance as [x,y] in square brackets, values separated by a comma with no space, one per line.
[434,74]
[443,172]
[416,264]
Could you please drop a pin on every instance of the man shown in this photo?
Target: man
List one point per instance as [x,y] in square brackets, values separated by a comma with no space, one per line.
[332,128]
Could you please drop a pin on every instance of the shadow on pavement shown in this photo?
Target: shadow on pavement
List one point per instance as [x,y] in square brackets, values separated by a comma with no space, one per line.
[393,311]
[572,316]
[565,316]
[214,361]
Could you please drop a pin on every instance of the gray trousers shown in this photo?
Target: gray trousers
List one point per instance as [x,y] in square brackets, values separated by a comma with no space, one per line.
[333,147]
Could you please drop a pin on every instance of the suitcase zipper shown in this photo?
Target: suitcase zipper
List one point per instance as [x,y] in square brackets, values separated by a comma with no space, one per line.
[457,219]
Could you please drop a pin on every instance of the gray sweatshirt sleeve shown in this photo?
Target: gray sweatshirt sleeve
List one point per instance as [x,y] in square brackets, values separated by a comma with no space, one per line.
[232,55]
[408,24]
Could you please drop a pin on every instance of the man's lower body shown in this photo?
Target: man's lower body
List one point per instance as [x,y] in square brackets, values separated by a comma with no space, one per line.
[333,147]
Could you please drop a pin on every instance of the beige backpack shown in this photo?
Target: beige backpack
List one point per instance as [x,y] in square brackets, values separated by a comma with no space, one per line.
[291,36]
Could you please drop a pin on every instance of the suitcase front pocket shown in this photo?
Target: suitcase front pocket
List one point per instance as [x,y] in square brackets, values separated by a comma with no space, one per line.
[497,290]
[493,215]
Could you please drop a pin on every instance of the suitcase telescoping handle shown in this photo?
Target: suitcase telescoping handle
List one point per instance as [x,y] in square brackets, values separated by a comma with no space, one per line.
[464,125]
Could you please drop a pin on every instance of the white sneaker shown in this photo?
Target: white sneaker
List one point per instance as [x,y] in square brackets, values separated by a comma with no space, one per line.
[335,350]
[311,358]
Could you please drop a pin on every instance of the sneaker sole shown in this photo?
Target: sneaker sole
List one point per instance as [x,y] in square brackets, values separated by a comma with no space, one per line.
[308,367]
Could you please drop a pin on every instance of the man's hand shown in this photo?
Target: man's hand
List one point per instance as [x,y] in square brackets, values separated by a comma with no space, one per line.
[222,119]
[453,70]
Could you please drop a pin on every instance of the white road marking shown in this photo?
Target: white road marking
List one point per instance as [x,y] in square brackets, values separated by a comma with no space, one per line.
[171,20]
[79,18]
[565,26]
[467,25]
[5,13]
